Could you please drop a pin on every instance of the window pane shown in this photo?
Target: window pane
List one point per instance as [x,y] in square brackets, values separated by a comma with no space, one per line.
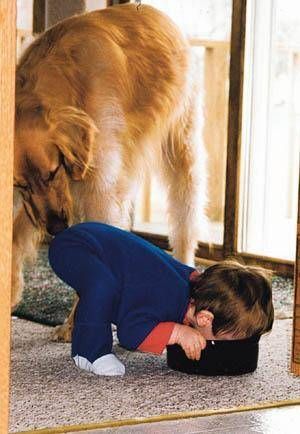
[207,24]
[206,19]
[270,140]
[24,14]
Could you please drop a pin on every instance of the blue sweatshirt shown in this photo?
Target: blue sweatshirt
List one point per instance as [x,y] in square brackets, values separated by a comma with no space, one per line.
[120,279]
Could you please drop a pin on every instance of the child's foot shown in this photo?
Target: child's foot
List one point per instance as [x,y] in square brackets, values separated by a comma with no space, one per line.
[105,365]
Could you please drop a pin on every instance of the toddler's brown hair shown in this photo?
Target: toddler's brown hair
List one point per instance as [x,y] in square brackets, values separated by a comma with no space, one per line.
[239,296]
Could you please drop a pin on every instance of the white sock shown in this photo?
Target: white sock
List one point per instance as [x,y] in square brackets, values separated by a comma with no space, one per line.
[105,365]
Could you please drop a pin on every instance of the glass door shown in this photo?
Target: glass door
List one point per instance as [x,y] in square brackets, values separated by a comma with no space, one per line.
[271,129]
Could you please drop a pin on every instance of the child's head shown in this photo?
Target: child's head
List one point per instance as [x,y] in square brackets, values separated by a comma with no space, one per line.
[238,296]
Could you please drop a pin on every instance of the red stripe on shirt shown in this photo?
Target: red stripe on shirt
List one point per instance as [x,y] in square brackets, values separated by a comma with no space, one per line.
[158,338]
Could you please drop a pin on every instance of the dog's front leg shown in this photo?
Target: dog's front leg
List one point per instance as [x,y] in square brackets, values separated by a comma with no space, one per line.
[25,241]
[113,206]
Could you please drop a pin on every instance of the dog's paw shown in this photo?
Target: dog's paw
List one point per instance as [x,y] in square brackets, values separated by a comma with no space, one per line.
[62,333]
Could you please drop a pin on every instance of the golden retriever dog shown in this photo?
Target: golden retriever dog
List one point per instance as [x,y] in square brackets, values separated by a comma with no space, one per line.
[100,97]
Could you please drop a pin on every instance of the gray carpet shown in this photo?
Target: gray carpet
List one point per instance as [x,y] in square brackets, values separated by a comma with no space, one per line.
[47,390]
[47,300]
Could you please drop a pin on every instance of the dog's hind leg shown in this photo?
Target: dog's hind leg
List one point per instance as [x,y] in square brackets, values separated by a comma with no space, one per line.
[184,173]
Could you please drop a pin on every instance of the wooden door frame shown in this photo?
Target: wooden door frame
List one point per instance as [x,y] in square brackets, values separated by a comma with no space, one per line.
[236,80]
[295,359]
[7,111]
[116,2]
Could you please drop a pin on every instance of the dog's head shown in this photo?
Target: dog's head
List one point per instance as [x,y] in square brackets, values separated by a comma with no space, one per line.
[53,146]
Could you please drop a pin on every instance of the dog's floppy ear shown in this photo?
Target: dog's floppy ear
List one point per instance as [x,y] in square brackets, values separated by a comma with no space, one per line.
[74,133]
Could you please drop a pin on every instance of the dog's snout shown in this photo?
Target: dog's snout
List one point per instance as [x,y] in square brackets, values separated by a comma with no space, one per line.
[56,224]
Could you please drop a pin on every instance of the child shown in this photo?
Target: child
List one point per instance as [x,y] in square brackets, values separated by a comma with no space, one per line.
[153,299]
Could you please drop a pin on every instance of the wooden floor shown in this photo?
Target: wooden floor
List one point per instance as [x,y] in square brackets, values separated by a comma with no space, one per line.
[283,420]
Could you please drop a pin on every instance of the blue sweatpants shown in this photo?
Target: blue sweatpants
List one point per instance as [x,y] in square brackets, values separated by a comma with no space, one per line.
[81,267]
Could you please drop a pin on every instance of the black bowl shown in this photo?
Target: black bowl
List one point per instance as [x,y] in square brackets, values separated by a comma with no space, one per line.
[235,357]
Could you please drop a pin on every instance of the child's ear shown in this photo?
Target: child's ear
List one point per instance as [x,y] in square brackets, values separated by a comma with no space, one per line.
[204,318]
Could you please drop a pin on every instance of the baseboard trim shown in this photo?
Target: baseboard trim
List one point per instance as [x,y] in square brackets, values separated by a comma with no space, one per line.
[160,418]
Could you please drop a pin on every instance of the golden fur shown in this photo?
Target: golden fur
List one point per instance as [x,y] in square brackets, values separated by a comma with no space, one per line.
[99,97]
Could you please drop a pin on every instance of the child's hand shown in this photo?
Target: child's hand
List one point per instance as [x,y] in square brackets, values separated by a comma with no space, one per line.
[189,339]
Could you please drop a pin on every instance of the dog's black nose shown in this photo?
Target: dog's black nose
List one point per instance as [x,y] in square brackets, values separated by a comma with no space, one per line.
[56,224]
